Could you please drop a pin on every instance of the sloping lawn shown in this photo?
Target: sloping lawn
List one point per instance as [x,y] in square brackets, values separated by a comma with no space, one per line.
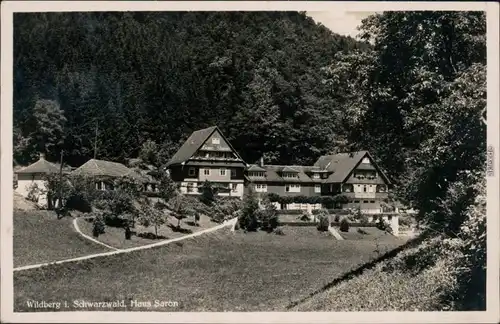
[40,237]
[220,271]
[370,234]
[389,286]
[115,236]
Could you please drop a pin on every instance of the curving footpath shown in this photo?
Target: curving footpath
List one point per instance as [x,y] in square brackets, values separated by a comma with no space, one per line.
[230,222]
[77,228]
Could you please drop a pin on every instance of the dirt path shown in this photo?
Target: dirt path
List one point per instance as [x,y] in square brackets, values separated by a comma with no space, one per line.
[77,228]
[228,223]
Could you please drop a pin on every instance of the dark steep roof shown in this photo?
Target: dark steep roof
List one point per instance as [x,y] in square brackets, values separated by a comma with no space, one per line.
[107,168]
[273,173]
[342,164]
[40,166]
[193,143]
[338,165]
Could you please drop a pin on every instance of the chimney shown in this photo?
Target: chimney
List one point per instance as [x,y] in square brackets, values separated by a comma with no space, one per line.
[42,156]
[261,161]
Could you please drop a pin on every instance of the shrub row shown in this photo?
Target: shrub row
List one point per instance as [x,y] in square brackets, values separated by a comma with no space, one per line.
[333,224]
[325,200]
[332,211]
[290,212]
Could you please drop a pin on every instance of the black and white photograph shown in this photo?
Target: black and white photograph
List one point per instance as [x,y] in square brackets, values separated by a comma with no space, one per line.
[220,158]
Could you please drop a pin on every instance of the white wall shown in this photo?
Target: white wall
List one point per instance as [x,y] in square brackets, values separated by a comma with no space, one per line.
[237,193]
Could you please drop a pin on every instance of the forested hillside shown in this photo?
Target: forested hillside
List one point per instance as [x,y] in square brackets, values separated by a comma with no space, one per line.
[159,76]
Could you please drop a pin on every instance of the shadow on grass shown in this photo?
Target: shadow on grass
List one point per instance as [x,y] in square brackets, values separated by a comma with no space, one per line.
[191,223]
[359,270]
[151,236]
[180,229]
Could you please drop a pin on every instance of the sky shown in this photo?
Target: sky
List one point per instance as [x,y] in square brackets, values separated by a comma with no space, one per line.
[340,22]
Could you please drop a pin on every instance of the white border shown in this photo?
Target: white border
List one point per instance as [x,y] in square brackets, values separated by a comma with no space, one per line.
[6,199]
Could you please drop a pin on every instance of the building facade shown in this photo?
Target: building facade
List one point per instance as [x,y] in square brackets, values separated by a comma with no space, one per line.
[208,156]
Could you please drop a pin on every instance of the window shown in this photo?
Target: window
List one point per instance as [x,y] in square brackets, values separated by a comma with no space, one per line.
[315,175]
[366,160]
[356,201]
[292,188]
[289,175]
[233,173]
[189,187]
[317,188]
[372,201]
[234,187]
[364,188]
[215,140]
[261,187]
[206,171]
[222,172]
[192,172]
[256,174]
[99,185]
[365,201]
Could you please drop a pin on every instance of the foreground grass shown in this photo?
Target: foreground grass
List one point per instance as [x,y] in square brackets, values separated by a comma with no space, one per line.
[220,271]
[391,285]
[40,237]
[115,236]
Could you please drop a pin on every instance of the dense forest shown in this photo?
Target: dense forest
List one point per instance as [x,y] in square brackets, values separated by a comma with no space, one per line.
[159,76]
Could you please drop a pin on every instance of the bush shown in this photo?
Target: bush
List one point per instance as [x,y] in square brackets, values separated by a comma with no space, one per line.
[223,210]
[208,193]
[98,226]
[324,222]
[381,224]
[279,231]
[33,192]
[304,217]
[248,218]
[467,254]
[344,225]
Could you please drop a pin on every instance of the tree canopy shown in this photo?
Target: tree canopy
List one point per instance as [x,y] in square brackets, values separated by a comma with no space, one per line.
[158,76]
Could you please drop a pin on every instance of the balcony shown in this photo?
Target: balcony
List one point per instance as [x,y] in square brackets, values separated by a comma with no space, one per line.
[365,195]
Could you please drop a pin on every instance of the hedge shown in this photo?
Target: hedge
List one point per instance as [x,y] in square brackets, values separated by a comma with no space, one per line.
[332,211]
[290,211]
[299,223]
[333,224]
[326,200]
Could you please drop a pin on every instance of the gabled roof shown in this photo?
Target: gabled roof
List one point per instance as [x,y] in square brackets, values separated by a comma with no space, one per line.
[256,168]
[95,167]
[272,173]
[193,144]
[290,169]
[41,166]
[342,165]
